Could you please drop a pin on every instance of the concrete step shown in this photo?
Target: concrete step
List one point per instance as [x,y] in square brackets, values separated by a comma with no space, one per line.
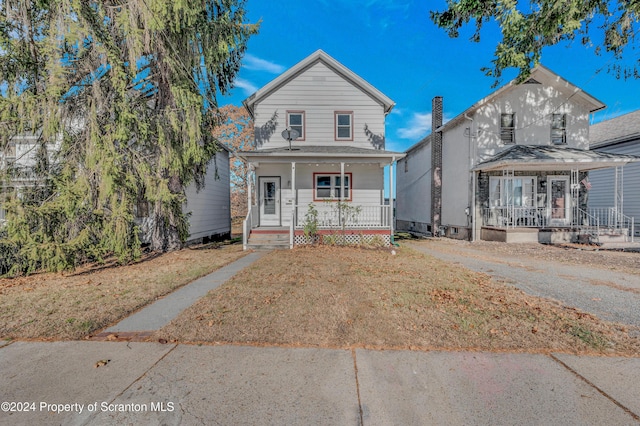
[268,240]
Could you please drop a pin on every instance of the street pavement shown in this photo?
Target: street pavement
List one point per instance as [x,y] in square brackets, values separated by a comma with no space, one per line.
[124,382]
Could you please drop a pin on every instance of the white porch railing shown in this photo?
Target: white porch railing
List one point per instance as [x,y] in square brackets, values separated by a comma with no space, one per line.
[539,217]
[612,218]
[542,217]
[248,224]
[512,216]
[344,215]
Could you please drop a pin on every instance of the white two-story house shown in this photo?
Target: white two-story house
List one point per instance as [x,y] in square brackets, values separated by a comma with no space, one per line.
[512,167]
[319,159]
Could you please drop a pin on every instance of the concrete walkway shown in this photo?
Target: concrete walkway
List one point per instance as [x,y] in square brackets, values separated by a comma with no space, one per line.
[160,313]
[151,383]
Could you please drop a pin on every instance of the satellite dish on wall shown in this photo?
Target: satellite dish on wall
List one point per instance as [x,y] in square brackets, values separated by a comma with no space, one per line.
[290,134]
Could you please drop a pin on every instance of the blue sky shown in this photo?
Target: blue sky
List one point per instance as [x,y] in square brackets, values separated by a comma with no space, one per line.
[394,46]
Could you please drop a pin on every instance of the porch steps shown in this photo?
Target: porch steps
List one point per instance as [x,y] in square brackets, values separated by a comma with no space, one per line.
[606,235]
[268,239]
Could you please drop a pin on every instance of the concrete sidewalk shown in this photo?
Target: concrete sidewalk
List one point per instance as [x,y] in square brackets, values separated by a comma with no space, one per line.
[161,312]
[151,383]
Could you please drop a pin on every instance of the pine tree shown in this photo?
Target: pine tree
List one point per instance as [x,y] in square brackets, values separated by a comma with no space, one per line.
[122,98]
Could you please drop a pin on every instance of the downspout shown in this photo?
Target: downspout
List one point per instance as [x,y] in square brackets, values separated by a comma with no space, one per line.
[472,179]
[391,199]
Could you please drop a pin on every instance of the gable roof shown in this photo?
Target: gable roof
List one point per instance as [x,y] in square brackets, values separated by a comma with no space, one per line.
[620,129]
[308,62]
[539,75]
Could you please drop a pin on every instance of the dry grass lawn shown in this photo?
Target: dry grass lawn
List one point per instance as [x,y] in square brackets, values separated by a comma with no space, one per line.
[73,305]
[354,297]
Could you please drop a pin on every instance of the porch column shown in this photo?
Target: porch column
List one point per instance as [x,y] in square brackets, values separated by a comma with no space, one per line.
[342,185]
[391,196]
[294,195]
[293,184]
[249,189]
[574,184]
[294,204]
[618,193]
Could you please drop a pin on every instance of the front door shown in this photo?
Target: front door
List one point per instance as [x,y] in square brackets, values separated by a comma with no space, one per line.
[269,201]
[559,200]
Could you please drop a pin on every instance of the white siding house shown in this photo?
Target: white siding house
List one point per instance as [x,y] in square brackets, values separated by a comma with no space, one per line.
[334,163]
[620,135]
[512,167]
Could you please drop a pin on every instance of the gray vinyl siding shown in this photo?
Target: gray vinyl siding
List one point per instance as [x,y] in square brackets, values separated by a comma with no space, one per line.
[210,207]
[456,176]
[320,92]
[603,182]
[413,187]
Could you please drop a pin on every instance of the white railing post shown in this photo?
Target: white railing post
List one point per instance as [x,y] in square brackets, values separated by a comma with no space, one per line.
[244,234]
[292,226]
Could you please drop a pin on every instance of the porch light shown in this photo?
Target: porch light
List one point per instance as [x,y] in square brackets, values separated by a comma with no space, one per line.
[290,134]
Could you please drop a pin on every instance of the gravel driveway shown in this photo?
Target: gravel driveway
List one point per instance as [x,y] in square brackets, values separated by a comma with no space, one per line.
[605,284]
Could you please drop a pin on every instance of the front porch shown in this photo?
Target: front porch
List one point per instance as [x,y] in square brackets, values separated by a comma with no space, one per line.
[332,195]
[340,223]
[540,194]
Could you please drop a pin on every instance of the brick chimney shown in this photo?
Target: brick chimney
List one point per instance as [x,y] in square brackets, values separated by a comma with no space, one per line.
[436,165]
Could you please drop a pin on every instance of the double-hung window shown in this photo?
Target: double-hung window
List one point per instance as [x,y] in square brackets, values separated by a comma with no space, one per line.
[328,186]
[344,125]
[508,128]
[295,120]
[518,191]
[559,129]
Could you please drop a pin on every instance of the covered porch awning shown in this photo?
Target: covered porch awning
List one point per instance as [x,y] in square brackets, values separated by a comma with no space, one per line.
[320,154]
[551,158]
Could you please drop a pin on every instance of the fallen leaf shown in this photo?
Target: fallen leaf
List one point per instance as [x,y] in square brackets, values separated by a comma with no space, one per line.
[102,362]
[112,337]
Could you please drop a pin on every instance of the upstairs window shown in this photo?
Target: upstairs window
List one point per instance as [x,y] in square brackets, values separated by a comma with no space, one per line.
[295,120]
[344,126]
[508,128]
[559,129]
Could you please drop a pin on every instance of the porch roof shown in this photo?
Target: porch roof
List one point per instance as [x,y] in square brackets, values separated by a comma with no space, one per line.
[550,158]
[318,153]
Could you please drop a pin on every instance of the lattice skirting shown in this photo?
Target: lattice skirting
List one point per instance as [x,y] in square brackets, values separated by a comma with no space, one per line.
[347,239]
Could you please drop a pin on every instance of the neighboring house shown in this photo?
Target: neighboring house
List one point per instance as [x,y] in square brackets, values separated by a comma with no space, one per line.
[512,167]
[19,158]
[620,135]
[210,207]
[331,176]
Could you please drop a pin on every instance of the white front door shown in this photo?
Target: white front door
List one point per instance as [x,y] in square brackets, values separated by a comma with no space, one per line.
[269,201]
[559,200]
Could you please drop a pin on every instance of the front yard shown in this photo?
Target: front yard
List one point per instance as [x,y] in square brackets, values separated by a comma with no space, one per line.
[317,296]
[73,305]
[351,297]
